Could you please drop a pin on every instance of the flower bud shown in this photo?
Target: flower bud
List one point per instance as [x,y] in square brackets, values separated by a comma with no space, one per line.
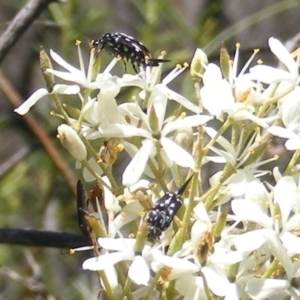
[141,236]
[220,224]
[153,121]
[95,61]
[224,61]
[184,138]
[197,65]
[45,64]
[71,141]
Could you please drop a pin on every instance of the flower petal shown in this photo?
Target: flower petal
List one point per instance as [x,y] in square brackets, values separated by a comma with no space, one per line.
[132,80]
[104,261]
[63,63]
[247,115]
[282,132]
[111,273]
[178,266]
[290,242]
[292,144]
[191,287]
[66,89]
[249,211]
[73,77]
[270,75]
[283,55]
[292,223]
[224,143]
[139,271]
[110,200]
[32,100]
[178,98]
[157,101]
[249,241]
[259,289]
[190,121]
[177,154]
[216,280]
[224,156]
[279,251]
[120,130]
[132,151]
[135,168]
[284,195]
[125,245]
[233,292]
[290,110]
[212,75]
[129,213]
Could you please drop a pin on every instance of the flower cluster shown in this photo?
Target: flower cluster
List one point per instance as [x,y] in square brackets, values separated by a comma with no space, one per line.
[234,235]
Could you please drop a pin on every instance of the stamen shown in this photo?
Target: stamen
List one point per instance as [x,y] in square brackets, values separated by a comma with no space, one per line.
[246,66]
[81,63]
[110,66]
[84,248]
[174,73]
[235,60]
[90,65]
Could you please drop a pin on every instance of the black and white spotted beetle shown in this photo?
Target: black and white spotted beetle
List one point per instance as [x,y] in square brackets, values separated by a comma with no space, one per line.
[161,215]
[127,48]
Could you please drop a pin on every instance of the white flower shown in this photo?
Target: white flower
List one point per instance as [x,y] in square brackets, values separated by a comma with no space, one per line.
[74,75]
[260,288]
[217,97]
[269,288]
[293,139]
[289,110]
[236,156]
[151,85]
[191,287]
[290,115]
[104,118]
[276,232]
[178,266]
[103,110]
[216,93]
[270,75]
[130,212]
[235,96]
[199,228]
[170,151]
[216,263]
[124,251]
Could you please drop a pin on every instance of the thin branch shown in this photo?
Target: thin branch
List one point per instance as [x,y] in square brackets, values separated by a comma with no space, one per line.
[42,238]
[20,23]
[15,99]
[14,159]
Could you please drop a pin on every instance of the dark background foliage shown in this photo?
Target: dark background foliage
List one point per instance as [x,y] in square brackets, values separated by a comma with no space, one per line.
[34,193]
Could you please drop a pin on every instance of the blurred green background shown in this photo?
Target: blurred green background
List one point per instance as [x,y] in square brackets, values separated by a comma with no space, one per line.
[34,194]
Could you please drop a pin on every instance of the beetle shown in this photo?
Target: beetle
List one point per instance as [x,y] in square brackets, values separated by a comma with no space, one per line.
[127,48]
[163,212]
